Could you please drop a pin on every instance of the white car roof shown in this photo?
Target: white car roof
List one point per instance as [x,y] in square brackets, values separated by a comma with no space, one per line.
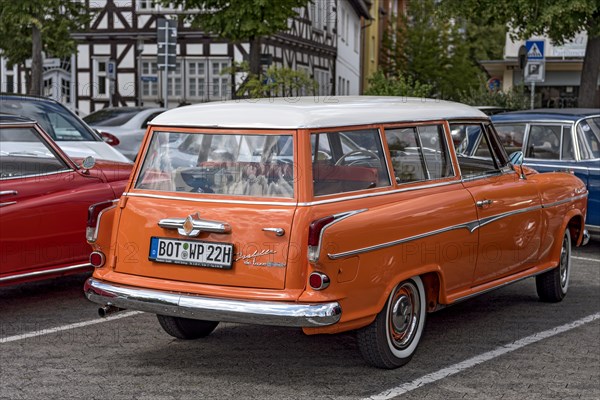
[313,112]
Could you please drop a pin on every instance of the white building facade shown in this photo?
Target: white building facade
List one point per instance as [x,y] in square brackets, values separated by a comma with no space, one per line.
[116,62]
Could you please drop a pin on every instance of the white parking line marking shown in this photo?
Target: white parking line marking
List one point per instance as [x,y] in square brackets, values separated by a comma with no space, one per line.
[49,331]
[471,362]
[586,258]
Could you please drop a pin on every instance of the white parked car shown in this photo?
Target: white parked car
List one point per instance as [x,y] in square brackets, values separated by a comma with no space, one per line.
[69,132]
[125,126]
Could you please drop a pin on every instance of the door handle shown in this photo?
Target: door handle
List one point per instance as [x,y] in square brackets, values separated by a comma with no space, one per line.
[483,203]
[7,192]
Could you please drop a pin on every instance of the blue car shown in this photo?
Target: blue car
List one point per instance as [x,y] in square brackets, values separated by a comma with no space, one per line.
[552,140]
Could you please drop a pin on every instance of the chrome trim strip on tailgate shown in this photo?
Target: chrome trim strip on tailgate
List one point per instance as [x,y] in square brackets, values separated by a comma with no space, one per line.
[212,309]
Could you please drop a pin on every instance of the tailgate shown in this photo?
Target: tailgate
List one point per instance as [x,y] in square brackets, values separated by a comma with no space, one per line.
[251,251]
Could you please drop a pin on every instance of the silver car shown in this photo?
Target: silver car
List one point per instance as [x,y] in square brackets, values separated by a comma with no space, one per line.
[124,126]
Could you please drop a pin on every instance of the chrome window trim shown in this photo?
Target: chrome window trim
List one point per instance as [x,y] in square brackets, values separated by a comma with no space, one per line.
[46,272]
[224,201]
[534,164]
[37,175]
[299,204]
[187,305]
[388,192]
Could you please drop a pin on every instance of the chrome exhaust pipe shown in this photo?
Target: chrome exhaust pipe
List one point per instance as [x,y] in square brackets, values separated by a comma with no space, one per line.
[105,311]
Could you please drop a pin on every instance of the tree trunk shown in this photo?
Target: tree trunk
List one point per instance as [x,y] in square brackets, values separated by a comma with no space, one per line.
[36,62]
[255,50]
[589,97]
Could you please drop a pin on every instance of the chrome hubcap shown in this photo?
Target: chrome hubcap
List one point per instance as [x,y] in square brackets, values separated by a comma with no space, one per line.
[404,315]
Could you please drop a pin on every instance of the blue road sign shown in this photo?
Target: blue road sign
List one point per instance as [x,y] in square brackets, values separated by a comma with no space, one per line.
[534,49]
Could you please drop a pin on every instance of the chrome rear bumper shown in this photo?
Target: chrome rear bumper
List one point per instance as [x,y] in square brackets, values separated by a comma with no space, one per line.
[212,309]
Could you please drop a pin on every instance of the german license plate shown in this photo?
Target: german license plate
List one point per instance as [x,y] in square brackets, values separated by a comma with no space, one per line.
[191,252]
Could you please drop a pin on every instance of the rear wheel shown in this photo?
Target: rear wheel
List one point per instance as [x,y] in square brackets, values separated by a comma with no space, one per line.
[184,328]
[391,340]
[552,285]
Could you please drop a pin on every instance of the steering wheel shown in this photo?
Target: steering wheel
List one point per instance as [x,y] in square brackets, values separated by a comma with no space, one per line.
[369,153]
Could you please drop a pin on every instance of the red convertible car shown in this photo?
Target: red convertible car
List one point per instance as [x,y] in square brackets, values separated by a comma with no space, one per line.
[44,201]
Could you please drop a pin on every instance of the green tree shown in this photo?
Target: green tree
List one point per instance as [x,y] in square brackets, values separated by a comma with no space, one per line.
[430,46]
[241,20]
[394,85]
[559,20]
[275,82]
[513,99]
[30,27]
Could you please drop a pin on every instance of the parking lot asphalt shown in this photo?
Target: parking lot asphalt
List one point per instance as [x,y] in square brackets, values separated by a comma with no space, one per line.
[502,345]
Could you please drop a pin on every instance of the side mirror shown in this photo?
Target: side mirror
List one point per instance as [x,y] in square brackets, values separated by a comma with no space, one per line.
[516,160]
[88,163]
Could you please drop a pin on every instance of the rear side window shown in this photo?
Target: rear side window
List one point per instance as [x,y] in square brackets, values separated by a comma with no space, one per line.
[347,161]
[418,153]
[225,164]
[588,133]
[544,142]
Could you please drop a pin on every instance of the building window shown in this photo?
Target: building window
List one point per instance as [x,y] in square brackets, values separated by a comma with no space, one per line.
[175,81]
[356,37]
[196,79]
[65,90]
[100,77]
[318,10]
[323,78]
[219,81]
[149,79]
[343,27]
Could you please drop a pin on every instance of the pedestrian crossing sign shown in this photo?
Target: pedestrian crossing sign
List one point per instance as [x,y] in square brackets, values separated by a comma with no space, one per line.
[535,49]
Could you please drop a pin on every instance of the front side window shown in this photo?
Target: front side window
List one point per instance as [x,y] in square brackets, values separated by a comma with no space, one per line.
[347,161]
[23,153]
[225,164]
[511,136]
[477,154]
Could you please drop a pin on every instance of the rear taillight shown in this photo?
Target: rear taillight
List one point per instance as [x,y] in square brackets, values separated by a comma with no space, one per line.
[110,138]
[314,236]
[318,281]
[94,212]
[316,228]
[97,259]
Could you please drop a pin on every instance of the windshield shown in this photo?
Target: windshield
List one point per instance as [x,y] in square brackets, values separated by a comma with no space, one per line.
[111,116]
[230,164]
[60,123]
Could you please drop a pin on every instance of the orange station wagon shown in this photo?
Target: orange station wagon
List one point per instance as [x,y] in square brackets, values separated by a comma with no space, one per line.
[350,213]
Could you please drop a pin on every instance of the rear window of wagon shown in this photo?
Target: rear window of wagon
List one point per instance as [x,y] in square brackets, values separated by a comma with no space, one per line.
[219,163]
